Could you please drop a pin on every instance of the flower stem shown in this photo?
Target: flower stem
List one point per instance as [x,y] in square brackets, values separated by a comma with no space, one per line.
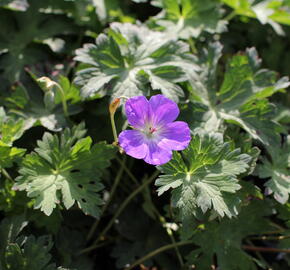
[265,249]
[133,178]
[157,251]
[114,128]
[112,109]
[119,211]
[169,232]
[7,175]
[112,192]
[258,254]
[230,16]
[63,100]
[171,236]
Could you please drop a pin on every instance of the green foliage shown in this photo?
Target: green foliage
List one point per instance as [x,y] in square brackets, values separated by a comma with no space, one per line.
[271,12]
[47,108]
[226,238]
[20,5]
[83,204]
[242,97]
[19,33]
[204,176]
[68,243]
[10,130]
[35,110]
[277,169]
[23,253]
[67,169]
[10,200]
[141,236]
[19,256]
[130,61]
[189,18]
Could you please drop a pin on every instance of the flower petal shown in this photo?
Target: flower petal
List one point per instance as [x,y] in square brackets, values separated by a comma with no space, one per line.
[137,109]
[133,143]
[176,136]
[157,155]
[163,110]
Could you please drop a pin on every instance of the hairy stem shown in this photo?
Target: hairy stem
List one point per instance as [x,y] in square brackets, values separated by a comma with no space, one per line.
[119,211]
[111,194]
[157,251]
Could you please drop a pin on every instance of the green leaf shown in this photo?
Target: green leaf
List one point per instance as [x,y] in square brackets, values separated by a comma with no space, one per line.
[21,37]
[71,92]
[284,214]
[225,238]
[20,5]
[189,18]
[23,253]
[11,129]
[114,63]
[9,230]
[8,155]
[139,236]
[11,202]
[67,169]
[272,12]
[242,97]
[46,109]
[51,223]
[68,243]
[104,9]
[278,170]
[204,176]
[33,110]
[33,255]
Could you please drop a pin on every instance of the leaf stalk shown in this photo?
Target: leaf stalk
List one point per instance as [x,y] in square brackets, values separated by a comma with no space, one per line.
[119,211]
[112,192]
[156,252]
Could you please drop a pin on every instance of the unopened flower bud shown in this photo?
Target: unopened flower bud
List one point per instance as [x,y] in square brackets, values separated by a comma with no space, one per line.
[46,83]
[114,105]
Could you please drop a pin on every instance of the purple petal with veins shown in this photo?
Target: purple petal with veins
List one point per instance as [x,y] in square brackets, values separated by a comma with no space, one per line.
[137,110]
[155,134]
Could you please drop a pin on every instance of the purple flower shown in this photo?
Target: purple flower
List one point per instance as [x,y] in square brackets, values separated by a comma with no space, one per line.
[154,133]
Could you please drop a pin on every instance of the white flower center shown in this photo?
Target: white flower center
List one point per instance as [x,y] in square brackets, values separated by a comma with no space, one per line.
[151,132]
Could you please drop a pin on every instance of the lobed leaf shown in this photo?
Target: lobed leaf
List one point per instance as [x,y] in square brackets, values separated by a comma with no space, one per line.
[267,12]
[190,18]
[242,97]
[66,168]
[117,62]
[11,129]
[37,108]
[19,33]
[278,170]
[226,237]
[204,176]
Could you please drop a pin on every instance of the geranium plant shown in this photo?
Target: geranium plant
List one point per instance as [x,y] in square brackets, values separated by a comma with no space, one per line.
[149,135]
